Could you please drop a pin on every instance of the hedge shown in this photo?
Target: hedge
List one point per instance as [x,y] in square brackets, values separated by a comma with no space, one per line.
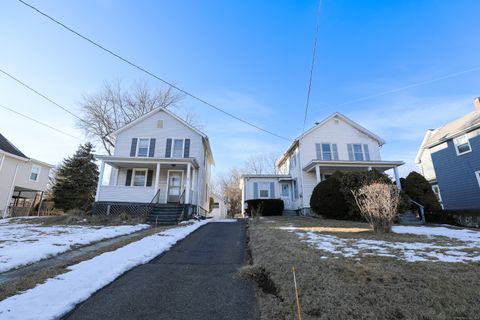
[270,207]
[328,200]
[461,218]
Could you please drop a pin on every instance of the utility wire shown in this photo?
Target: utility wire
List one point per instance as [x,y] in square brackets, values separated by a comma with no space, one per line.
[39,122]
[118,56]
[312,67]
[40,94]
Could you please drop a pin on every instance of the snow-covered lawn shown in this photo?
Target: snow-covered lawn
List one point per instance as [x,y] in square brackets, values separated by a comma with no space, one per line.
[26,243]
[59,295]
[465,246]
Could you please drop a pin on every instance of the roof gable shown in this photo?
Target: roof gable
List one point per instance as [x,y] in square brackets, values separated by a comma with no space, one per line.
[452,129]
[8,147]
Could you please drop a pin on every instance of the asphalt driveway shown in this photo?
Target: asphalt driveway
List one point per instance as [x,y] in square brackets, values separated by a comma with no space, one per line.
[194,280]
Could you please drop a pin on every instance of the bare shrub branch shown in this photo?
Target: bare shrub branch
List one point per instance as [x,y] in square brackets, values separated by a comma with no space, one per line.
[378,202]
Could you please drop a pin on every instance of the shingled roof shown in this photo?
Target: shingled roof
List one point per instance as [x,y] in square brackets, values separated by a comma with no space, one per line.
[7,146]
[462,125]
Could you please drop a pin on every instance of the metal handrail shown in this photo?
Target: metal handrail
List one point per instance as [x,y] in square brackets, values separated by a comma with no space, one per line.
[155,196]
[182,196]
[421,208]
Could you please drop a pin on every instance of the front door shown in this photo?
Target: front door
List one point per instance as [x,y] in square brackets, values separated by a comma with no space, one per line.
[174,186]
[286,195]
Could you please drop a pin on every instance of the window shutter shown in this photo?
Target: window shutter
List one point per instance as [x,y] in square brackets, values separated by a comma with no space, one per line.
[335,151]
[133,148]
[272,190]
[366,152]
[350,151]
[318,149]
[186,148]
[168,149]
[151,152]
[149,178]
[128,180]
[255,190]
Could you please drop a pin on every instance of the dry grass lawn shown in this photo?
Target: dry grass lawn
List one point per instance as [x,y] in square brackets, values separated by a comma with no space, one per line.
[371,287]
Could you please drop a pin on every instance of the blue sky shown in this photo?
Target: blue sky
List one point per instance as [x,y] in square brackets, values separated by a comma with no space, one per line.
[251,58]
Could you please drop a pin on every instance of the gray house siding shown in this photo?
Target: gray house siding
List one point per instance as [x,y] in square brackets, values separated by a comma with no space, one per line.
[456,176]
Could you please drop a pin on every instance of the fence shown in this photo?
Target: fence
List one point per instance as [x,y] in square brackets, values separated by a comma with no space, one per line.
[118,208]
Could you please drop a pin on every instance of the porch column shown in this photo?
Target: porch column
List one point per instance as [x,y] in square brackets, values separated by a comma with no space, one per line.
[317,172]
[194,180]
[397,178]
[100,179]
[187,185]
[157,180]
[40,204]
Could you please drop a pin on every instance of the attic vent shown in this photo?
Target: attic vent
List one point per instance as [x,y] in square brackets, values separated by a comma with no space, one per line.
[160,124]
[336,121]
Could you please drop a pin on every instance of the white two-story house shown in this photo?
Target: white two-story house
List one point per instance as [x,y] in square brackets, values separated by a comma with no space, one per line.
[23,181]
[158,159]
[335,144]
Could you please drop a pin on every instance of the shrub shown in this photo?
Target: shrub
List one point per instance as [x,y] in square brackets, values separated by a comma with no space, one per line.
[328,200]
[420,190]
[461,218]
[378,202]
[265,207]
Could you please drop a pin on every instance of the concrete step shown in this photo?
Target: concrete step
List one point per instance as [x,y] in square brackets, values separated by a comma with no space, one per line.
[289,213]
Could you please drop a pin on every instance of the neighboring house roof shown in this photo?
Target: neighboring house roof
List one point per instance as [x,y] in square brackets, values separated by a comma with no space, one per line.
[335,115]
[160,109]
[8,147]
[434,137]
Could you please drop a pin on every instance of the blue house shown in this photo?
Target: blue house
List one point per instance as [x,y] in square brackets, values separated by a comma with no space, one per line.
[449,158]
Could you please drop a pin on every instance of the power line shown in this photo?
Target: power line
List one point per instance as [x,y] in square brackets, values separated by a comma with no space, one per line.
[118,56]
[39,122]
[417,84]
[312,67]
[40,94]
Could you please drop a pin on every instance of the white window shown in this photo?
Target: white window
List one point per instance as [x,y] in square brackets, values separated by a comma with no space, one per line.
[477,174]
[177,148]
[216,205]
[34,173]
[285,190]
[139,178]
[462,145]
[358,152]
[143,147]
[293,160]
[264,189]
[436,190]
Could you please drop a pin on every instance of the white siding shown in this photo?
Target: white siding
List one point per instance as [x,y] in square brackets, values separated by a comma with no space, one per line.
[428,170]
[250,192]
[126,194]
[23,177]
[6,178]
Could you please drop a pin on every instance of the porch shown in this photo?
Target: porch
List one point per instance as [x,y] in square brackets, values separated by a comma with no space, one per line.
[152,180]
[323,168]
[24,202]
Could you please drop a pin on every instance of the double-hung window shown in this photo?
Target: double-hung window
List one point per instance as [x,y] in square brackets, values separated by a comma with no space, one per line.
[143,147]
[177,148]
[34,173]
[264,189]
[462,145]
[139,178]
[357,152]
[436,191]
[326,151]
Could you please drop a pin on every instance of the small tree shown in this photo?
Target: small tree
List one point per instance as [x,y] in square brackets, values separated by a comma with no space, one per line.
[76,180]
[420,190]
[378,202]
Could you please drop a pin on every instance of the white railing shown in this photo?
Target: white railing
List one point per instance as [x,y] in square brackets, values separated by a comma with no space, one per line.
[125,194]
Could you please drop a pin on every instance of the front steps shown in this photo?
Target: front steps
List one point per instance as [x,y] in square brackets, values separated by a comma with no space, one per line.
[409,218]
[165,214]
[289,213]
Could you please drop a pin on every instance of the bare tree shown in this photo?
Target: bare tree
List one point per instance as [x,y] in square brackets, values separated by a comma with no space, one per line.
[114,106]
[261,164]
[378,203]
[229,186]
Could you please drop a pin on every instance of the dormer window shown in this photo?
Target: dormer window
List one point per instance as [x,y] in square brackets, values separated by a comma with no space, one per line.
[462,145]
[143,147]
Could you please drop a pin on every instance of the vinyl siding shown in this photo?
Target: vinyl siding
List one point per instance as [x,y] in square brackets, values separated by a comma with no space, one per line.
[456,175]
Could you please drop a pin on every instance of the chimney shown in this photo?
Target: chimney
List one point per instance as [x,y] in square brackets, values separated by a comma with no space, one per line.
[476,102]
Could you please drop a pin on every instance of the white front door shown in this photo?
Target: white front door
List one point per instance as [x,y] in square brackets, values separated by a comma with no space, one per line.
[174,185]
[286,195]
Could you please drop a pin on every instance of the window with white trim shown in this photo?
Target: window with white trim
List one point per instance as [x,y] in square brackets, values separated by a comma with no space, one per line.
[326,151]
[139,178]
[34,173]
[264,189]
[477,174]
[358,152]
[293,160]
[143,147]
[436,190]
[177,148]
[462,145]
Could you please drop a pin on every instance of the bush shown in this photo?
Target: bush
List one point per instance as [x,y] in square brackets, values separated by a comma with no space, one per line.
[420,190]
[378,203]
[461,218]
[328,200]
[265,207]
